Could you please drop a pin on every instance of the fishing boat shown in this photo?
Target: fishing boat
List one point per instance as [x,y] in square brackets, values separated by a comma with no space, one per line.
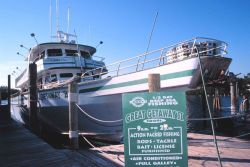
[101,86]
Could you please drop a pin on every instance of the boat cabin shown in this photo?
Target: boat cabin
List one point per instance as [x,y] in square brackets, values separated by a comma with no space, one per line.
[58,62]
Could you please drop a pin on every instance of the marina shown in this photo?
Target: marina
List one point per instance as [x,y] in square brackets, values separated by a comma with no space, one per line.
[26,149]
[72,101]
[99,88]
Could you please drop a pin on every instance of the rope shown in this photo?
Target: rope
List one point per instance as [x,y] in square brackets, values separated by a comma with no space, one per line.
[60,84]
[245,134]
[92,144]
[99,149]
[210,114]
[17,93]
[98,120]
[207,119]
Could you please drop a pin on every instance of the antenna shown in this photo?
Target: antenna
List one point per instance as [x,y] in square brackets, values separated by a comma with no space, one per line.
[68,19]
[149,41]
[50,16]
[89,35]
[60,35]
[57,15]
[78,50]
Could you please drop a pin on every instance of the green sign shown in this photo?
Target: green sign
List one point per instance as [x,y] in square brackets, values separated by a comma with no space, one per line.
[154,127]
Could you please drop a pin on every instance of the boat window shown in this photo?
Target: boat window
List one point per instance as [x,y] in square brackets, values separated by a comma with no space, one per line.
[40,83]
[47,79]
[54,52]
[86,74]
[79,74]
[66,75]
[42,55]
[71,52]
[53,78]
[85,54]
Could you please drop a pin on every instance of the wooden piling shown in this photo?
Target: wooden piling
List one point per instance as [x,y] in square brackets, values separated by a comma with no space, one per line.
[216,101]
[9,100]
[233,96]
[154,83]
[73,115]
[33,97]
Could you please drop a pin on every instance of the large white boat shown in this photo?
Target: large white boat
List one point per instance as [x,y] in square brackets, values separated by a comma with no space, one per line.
[101,86]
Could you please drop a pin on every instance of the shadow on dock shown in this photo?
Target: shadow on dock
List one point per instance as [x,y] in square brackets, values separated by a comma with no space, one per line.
[20,147]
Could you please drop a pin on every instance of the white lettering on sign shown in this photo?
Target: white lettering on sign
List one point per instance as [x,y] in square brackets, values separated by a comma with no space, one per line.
[151,115]
[162,142]
[155,101]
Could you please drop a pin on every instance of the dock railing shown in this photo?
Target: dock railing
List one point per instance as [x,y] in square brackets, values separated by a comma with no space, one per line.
[166,55]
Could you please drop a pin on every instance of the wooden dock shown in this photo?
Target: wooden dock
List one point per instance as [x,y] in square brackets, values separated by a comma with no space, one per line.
[19,147]
[201,152]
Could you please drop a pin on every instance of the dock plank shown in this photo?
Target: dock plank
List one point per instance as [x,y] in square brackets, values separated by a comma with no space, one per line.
[201,151]
[19,147]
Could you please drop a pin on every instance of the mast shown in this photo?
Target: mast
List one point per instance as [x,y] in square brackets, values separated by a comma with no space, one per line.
[68,19]
[50,13]
[57,16]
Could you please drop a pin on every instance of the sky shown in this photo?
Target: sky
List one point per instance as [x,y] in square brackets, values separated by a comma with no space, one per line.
[124,26]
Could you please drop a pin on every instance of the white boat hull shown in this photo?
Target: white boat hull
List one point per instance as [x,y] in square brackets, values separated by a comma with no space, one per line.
[102,99]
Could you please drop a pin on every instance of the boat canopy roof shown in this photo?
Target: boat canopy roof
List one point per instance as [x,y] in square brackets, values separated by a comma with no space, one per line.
[37,50]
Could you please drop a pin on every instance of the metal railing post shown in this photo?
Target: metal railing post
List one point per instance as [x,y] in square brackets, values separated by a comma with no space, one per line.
[161,57]
[193,47]
[118,69]
[138,61]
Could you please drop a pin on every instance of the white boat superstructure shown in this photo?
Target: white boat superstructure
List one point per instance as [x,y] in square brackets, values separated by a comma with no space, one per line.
[101,86]
[53,58]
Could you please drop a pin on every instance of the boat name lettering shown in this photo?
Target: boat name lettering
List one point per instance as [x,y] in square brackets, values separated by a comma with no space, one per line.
[53,95]
[151,114]
[56,60]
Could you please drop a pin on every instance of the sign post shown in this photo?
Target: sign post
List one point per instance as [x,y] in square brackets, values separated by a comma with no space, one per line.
[155,129]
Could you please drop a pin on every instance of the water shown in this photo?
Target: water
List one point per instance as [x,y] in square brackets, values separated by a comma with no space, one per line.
[196,110]
[4,102]
[226,105]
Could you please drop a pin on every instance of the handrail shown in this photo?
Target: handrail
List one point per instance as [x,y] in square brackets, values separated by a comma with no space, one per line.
[99,57]
[164,56]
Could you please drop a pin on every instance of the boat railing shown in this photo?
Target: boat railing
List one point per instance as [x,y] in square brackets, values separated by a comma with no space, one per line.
[98,58]
[50,85]
[162,56]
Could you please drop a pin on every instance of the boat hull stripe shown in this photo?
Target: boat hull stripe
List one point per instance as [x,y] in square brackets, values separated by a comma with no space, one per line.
[139,81]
